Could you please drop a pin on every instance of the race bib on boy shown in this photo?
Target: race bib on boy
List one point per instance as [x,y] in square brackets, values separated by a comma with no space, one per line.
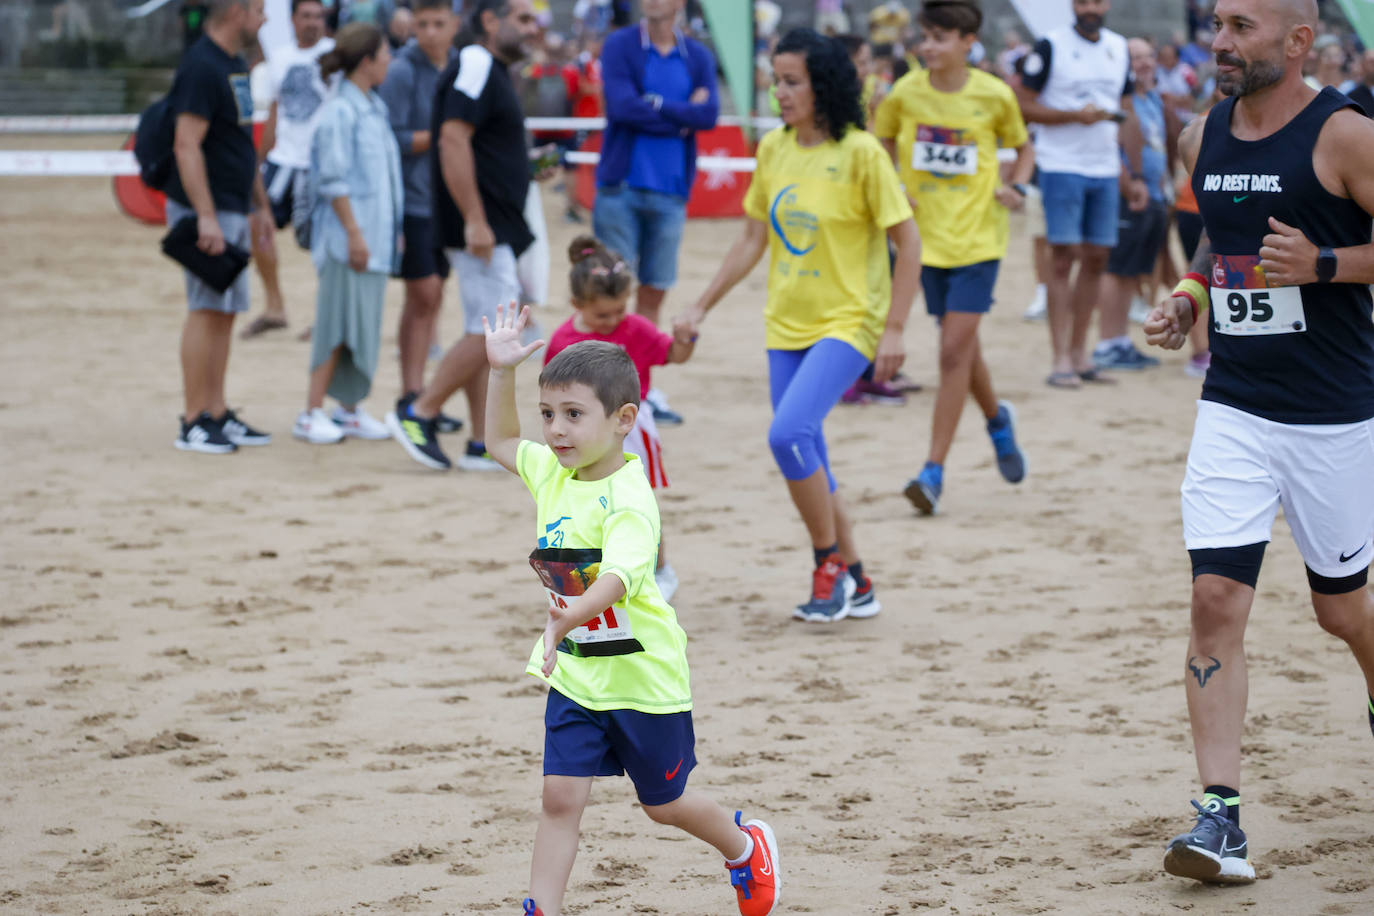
[607,627]
[943,151]
[1245,305]
[567,573]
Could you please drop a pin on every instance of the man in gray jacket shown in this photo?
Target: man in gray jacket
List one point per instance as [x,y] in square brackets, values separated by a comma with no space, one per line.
[409,95]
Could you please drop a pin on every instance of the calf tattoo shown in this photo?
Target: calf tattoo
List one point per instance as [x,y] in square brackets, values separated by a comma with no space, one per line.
[1203,672]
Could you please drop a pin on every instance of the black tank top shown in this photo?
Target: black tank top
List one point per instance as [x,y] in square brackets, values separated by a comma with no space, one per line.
[1288,354]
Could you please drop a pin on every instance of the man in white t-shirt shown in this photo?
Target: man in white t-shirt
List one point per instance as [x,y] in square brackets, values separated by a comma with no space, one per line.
[297,97]
[1076,84]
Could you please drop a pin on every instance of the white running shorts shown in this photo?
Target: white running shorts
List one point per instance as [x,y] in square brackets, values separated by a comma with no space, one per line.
[1241,468]
[643,441]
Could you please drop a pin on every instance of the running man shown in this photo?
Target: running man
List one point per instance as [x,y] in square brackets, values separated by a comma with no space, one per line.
[942,126]
[1287,410]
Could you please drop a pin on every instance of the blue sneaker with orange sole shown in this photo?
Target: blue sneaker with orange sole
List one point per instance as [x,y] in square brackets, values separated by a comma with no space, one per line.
[757,882]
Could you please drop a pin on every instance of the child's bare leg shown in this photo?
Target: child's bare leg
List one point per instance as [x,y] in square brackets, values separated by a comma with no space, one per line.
[555,842]
[700,816]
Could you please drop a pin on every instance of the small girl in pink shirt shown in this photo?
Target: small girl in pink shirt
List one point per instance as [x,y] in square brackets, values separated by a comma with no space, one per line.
[600,282]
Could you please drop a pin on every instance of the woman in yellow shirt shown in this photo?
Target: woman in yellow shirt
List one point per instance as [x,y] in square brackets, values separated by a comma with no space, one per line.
[824,201]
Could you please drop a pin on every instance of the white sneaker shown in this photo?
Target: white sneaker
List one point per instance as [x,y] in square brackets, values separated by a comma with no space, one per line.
[667,581]
[1039,305]
[470,462]
[657,399]
[315,427]
[1140,310]
[359,424]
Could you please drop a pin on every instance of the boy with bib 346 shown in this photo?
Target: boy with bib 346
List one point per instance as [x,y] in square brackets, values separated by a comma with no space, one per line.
[612,652]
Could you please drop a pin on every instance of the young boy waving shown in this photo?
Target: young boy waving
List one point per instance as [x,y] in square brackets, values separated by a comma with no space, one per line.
[612,652]
[942,127]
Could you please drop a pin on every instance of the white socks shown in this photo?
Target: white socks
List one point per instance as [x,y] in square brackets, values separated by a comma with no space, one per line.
[748,851]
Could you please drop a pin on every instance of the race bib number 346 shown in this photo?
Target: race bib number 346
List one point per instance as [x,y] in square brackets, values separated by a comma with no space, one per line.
[943,151]
[1244,305]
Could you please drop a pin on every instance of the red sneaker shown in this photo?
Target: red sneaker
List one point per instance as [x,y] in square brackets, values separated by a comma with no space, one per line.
[829,600]
[757,883]
[530,908]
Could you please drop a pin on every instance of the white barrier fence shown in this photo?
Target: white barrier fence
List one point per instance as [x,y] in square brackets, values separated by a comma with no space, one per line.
[55,163]
[124,124]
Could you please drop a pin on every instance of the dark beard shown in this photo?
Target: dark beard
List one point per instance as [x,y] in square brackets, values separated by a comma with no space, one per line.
[1090,24]
[1254,76]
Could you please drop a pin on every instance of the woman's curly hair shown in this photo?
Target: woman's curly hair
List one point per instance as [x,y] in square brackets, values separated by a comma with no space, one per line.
[834,81]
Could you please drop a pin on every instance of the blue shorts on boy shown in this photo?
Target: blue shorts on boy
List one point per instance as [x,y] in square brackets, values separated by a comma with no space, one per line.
[959,289]
[630,658]
[655,751]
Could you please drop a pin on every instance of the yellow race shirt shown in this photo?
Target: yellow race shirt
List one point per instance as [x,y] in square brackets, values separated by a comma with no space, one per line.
[947,155]
[633,655]
[827,208]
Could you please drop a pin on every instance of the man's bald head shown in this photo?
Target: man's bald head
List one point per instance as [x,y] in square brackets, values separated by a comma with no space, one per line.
[1297,12]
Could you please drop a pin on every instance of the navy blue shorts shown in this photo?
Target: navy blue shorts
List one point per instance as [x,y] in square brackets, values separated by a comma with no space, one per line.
[959,289]
[423,256]
[656,750]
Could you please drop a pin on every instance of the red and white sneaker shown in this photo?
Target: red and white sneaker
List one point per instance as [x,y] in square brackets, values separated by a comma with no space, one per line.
[829,600]
[757,883]
[530,909]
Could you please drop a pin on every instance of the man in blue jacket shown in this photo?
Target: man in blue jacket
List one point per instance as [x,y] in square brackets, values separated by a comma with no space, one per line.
[660,90]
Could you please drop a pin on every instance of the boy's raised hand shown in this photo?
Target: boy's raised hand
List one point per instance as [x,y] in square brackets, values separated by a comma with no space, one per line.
[504,349]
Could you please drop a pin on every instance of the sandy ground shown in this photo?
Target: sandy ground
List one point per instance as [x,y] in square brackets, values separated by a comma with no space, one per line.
[290,680]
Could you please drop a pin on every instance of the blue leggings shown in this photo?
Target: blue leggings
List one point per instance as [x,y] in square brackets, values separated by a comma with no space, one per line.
[804,385]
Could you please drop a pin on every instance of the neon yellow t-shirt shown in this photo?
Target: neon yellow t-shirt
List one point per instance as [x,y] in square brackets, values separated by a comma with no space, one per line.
[947,156]
[827,208]
[634,654]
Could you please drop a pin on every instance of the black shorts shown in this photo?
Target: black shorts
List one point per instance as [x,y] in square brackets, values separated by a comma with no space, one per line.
[1140,237]
[279,181]
[422,256]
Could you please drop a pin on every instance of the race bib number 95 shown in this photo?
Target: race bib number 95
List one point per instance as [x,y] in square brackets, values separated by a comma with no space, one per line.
[943,151]
[1244,305]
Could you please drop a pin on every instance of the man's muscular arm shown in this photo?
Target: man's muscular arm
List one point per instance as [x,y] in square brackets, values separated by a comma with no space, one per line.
[1345,135]
[1169,322]
[1288,256]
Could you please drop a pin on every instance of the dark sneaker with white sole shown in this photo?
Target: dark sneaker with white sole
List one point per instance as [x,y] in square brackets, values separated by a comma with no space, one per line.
[240,433]
[1214,851]
[204,435]
[863,600]
[418,436]
[1371,715]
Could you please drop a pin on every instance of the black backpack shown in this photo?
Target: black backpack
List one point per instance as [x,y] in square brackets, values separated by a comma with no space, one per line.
[153,139]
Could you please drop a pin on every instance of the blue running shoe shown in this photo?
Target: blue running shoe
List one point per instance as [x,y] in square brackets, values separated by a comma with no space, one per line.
[1215,850]
[1123,356]
[924,489]
[1011,461]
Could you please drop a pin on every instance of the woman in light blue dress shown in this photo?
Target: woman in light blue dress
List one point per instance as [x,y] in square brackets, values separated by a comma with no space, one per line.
[355,231]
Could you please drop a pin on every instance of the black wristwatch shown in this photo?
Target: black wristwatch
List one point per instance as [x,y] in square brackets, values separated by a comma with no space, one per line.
[1326,265]
[1021,189]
